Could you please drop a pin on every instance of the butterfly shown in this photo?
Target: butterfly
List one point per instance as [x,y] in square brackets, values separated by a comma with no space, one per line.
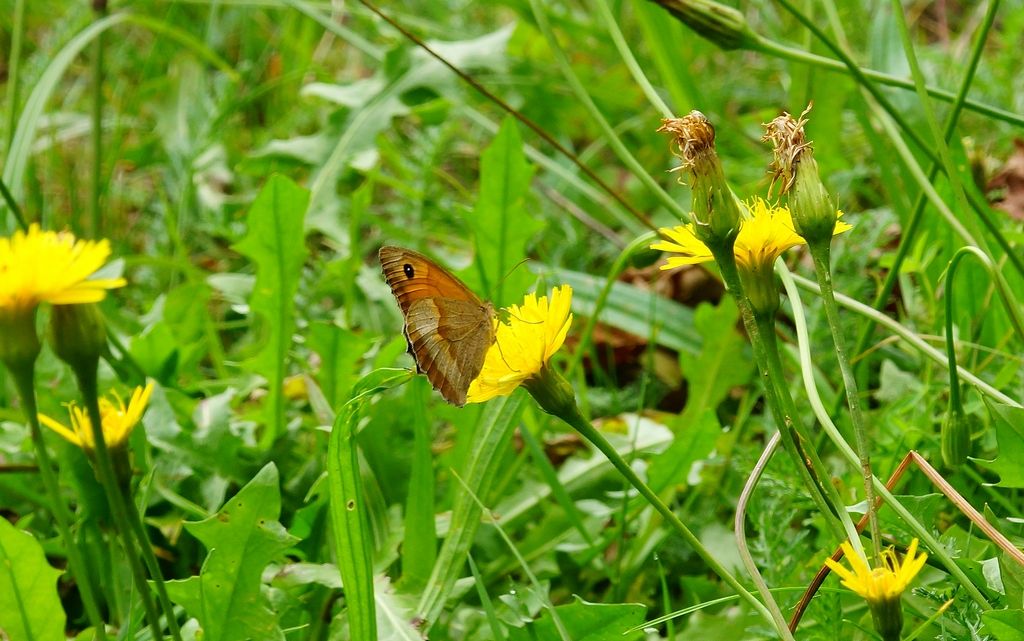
[448,328]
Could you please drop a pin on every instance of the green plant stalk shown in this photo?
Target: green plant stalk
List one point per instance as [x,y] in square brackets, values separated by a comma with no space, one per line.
[910,232]
[24,381]
[907,335]
[613,140]
[576,420]
[785,411]
[14,69]
[153,566]
[820,254]
[881,107]
[923,533]
[13,205]
[96,218]
[780,50]
[630,61]
[781,403]
[88,385]
[739,528]
[926,105]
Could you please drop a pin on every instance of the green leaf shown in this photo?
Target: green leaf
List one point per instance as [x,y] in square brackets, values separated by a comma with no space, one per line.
[586,622]
[30,609]
[721,364]
[1009,464]
[242,538]
[479,475]
[1005,625]
[694,440]
[500,222]
[275,243]
[353,539]
[340,350]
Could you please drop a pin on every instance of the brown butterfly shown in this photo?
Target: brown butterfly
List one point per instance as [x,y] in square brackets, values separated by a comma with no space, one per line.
[448,328]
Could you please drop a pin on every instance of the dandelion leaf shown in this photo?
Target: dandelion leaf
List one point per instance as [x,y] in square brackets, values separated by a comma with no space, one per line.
[1009,463]
[242,538]
[30,609]
[1005,625]
[586,622]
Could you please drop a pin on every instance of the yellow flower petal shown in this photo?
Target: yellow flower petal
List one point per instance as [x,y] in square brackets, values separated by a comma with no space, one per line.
[884,583]
[765,232]
[44,266]
[117,420]
[523,344]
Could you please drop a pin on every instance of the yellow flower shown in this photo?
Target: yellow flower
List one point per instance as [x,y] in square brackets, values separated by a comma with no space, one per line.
[118,420]
[766,231]
[524,344]
[881,587]
[885,583]
[44,266]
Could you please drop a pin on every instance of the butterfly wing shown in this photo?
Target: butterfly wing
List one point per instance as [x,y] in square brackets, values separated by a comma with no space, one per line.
[449,329]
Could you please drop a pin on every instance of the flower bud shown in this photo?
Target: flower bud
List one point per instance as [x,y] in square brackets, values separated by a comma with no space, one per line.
[553,393]
[716,211]
[955,437]
[761,288]
[717,23]
[78,334]
[19,343]
[887,615]
[794,167]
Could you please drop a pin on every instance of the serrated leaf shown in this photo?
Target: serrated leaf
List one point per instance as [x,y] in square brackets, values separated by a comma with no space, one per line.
[30,609]
[1005,625]
[721,364]
[242,538]
[275,242]
[694,439]
[500,221]
[586,622]
[1009,464]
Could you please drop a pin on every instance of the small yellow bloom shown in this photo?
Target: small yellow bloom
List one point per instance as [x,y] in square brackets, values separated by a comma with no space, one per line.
[766,232]
[44,266]
[524,344]
[885,583]
[118,420]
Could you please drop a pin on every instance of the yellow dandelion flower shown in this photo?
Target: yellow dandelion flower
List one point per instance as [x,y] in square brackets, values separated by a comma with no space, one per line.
[886,582]
[524,344]
[118,420]
[881,587]
[53,267]
[766,231]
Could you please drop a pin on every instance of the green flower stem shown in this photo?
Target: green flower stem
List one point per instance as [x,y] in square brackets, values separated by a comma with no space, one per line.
[937,550]
[570,413]
[820,255]
[739,527]
[779,400]
[24,380]
[87,383]
[909,233]
[100,9]
[786,415]
[780,50]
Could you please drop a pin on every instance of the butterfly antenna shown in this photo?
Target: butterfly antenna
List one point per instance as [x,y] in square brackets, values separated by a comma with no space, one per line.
[520,319]
[507,364]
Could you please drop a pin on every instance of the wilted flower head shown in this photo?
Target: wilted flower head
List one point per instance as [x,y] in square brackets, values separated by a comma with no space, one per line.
[796,172]
[523,344]
[716,212]
[883,586]
[117,419]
